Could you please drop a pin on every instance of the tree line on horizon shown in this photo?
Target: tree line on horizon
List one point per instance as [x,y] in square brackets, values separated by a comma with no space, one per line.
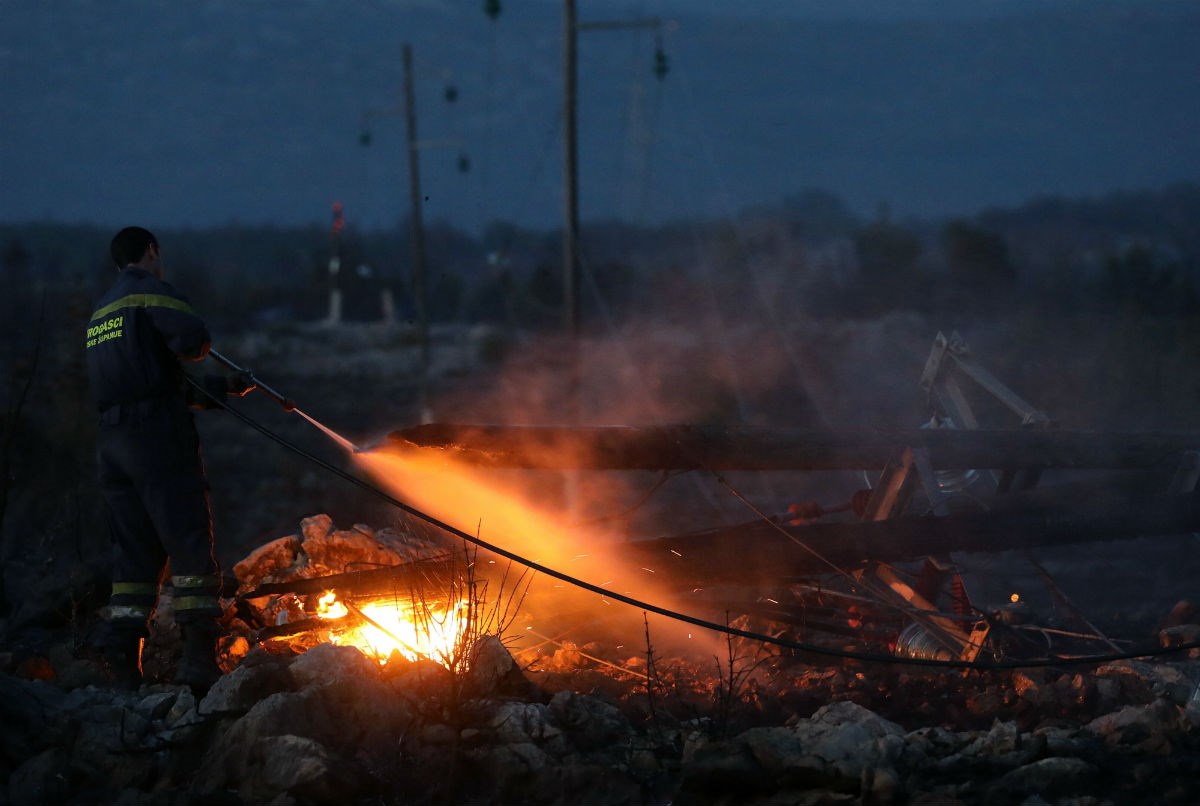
[1137,252]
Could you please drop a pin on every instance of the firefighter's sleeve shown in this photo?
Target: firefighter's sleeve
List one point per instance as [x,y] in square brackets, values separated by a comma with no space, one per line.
[181,327]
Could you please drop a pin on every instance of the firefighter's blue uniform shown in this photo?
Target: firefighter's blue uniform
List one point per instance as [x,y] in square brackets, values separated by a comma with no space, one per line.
[148,451]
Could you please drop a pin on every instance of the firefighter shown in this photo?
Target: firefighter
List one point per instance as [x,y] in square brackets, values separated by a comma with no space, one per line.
[150,468]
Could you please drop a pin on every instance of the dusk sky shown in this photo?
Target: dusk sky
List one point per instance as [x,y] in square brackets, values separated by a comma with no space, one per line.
[252,111]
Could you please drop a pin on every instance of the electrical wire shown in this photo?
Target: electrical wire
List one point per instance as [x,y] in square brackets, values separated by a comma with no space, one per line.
[766,299]
[863,583]
[650,607]
[663,478]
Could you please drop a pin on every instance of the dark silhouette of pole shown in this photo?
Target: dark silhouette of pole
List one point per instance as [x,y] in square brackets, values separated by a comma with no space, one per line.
[417,233]
[571,265]
[570,173]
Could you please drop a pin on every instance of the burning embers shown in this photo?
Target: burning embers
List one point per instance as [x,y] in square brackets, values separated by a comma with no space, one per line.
[387,628]
[394,596]
[389,594]
[328,606]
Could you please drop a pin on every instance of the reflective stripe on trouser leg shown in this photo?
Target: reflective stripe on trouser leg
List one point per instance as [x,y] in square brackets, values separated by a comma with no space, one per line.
[196,596]
[132,603]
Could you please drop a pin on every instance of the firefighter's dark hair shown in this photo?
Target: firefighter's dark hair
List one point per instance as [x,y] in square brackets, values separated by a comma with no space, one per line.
[130,244]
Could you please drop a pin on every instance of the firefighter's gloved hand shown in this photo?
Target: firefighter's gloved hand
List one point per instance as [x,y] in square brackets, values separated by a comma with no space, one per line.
[211,389]
[239,383]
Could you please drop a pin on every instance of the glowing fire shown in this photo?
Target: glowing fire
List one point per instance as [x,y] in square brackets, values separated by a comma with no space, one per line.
[497,506]
[415,630]
[328,606]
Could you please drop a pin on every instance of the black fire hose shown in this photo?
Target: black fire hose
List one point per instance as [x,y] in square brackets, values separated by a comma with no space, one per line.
[287,403]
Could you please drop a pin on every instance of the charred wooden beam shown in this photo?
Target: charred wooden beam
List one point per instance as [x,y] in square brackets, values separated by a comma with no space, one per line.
[290,628]
[375,581]
[724,448]
[764,550]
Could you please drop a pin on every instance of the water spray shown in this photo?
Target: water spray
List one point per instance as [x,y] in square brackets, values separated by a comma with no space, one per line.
[286,402]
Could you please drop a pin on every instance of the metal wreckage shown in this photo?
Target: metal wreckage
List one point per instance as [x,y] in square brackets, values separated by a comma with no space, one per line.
[877,573]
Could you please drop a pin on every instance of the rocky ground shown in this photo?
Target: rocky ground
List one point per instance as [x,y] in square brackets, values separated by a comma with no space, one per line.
[302,721]
[329,726]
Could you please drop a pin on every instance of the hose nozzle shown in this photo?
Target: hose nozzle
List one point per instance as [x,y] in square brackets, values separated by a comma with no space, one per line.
[287,403]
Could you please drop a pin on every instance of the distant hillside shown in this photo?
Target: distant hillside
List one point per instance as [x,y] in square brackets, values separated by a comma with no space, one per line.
[222,111]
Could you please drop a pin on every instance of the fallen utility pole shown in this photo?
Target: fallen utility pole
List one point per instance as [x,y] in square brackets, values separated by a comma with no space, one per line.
[689,447]
[766,550]
[374,581]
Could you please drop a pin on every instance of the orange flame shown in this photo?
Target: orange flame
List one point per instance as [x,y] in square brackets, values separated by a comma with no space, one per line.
[435,632]
[328,606]
[496,506]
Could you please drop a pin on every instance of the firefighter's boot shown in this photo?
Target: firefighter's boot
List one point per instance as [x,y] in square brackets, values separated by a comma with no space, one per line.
[121,657]
[197,667]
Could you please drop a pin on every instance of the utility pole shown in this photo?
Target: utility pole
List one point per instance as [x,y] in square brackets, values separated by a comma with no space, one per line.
[572,291]
[420,287]
[417,234]
[335,265]
[571,271]
[571,266]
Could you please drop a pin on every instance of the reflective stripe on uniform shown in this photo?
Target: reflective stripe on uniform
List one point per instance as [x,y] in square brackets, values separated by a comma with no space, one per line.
[134,588]
[197,603]
[128,612]
[143,301]
[182,582]
[133,600]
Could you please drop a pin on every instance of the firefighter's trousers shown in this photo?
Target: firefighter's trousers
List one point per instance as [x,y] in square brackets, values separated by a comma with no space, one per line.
[152,476]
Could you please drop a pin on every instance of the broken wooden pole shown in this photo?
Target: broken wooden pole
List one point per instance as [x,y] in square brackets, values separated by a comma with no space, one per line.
[289,628]
[688,447]
[766,550]
[373,581]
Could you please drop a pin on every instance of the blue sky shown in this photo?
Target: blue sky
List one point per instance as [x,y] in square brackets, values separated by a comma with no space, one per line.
[225,110]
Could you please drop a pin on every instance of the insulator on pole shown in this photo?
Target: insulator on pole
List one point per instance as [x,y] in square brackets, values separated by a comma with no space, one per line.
[661,63]
[491,8]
